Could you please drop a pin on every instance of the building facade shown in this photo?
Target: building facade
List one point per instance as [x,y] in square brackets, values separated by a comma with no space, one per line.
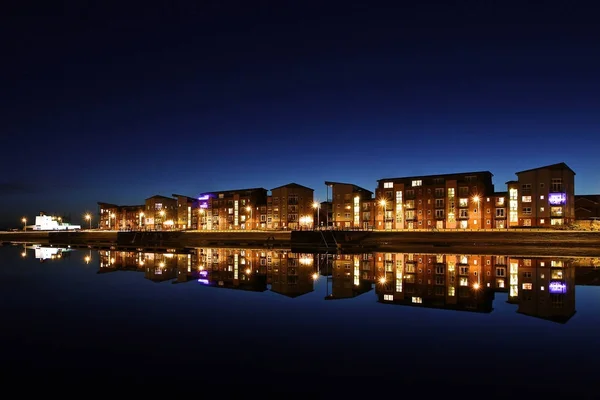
[290,207]
[587,206]
[232,209]
[447,201]
[160,213]
[115,217]
[348,205]
[187,212]
[542,197]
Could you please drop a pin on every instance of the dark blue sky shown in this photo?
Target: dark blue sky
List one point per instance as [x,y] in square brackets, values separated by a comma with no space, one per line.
[119,104]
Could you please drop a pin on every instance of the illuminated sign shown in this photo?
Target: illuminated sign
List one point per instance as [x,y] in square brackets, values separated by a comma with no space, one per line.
[557,198]
[204,274]
[557,287]
[203,205]
[204,281]
[204,197]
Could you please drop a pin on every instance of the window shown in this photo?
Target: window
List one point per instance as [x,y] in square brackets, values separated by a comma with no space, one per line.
[388,185]
[439,192]
[417,183]
[542,197]
[500,213]
[463,281]
[542,209]
[439,214]
[388,297]
[527,286]
[526,199]
[556,185]
[463,202]
[526,210]
[439,203]
[542,221]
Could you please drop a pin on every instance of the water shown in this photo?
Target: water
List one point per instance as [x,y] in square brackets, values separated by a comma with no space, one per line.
[272,318]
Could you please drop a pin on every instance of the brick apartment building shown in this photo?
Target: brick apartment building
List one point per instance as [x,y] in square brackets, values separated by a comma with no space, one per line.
[290,207]
[542,197]
[351,205]
[232,209]
[446,201]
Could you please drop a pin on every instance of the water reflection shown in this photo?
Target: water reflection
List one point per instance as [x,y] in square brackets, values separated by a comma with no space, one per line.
[542,287]
[45,253]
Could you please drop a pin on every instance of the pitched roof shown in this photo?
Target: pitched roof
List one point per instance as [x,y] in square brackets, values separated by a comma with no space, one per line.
[292,185]
[355,187]
[561,165]
[437,175]
[187,197]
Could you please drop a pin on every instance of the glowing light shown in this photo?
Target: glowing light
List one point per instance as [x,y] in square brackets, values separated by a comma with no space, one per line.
[476,286]
[315,276]
[204,281]
[382,280]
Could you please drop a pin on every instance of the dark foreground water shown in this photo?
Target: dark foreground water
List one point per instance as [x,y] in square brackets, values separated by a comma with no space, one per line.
[115,319]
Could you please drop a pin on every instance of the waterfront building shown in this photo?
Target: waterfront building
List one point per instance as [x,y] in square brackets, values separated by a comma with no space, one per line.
[495,210]
[116,217]
[351,205]
[160,213]
[290,207]
[542,197]
[446,201]
[587,206]
[231,209]
[187,212]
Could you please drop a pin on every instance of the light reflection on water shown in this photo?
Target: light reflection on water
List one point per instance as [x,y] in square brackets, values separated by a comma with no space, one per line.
[403,304]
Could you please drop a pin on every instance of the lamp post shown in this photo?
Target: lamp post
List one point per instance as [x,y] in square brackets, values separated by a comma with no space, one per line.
[383,203]
[249,209]
[24,221]
[88,217]
[317,207]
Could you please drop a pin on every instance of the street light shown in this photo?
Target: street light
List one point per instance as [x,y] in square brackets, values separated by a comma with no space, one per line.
[383,203]
[317,207]
[24,221]
[249,209]
[88,217]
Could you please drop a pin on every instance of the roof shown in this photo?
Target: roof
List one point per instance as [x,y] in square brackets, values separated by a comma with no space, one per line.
[561,165]
[187,197]
[292,185]
[437,175]
[355,187]
[158,196]
[592,198]
[233,191]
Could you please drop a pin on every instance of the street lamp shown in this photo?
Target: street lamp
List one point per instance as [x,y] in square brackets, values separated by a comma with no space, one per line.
[317,207]
[88,217]
[383,203]
[24,221]
[249,209]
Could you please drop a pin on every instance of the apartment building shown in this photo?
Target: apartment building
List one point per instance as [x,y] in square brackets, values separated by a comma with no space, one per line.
[446,201]
[290,207]
[232,209]
[116,217]
[587,206]
[160,213]
[351,275]
[542,197]
[187,212]
[348,205]
[293,274]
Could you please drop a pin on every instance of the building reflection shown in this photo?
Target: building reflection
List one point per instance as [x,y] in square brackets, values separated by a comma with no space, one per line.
[293,274]
[46,253]
[351,275]
[543,287]
[448,281]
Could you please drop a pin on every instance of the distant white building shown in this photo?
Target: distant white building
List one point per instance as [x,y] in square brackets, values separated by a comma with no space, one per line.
[50,223]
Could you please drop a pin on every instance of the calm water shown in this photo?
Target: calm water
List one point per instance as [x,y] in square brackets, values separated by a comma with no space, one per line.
[438,323]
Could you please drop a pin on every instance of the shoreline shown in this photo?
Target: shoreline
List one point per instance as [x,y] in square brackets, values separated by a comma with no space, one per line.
[545,242]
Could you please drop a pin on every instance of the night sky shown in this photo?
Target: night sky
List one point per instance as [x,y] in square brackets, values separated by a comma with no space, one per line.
[119,104]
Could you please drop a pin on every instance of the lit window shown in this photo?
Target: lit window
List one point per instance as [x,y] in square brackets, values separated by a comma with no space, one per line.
[388,185]
[526,199]
[527,286]
[417,183]
[542,197]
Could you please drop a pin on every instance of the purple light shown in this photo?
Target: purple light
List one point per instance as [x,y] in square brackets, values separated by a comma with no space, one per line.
[557,198]
[204,197]
[204,281]
[204,274]
[557,287]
